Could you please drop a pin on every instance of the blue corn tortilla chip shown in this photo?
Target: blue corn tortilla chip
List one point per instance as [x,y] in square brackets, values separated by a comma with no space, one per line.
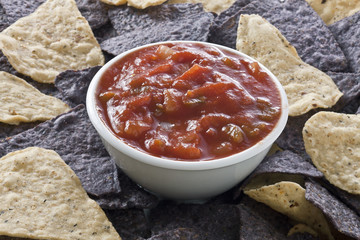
[349,85]
[105,32]
[94,11]
[289,163]
[16,9]
[258,222]
[343,219]
[301,26]
[226,33]
[5,65]
[73,85]
[4,22]
[179,234]
[130,224]
[351,200]
[291,137]
[284,165]
[73,137]
[131,196]
[160,23]
[231,11]
[347,34]
[7,130]
[216,221]
[352,107]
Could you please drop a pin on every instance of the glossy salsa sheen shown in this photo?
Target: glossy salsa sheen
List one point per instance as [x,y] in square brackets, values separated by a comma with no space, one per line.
[188,101]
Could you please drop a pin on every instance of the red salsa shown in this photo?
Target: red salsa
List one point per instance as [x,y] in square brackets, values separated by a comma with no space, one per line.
[188,101]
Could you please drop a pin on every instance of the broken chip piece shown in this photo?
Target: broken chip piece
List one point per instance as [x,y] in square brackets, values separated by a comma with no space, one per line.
[42,198]
[53,39]
[333,142]
[21,102]
[306,87]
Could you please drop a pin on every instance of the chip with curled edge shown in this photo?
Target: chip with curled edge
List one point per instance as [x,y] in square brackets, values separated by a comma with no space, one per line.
[288,198]
[306,87]
[333,142]
[42,198]
[55,38]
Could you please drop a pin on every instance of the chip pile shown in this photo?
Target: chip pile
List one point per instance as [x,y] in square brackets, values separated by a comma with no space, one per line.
[50,50]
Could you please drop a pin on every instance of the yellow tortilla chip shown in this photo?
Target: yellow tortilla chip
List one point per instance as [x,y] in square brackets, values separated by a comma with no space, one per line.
[141,4]
[42,198]
[51,40]
[302,228]
[332,140]
[306,87]
[334,10]
[114,2]
[288,198]
[216,6]
[21,102]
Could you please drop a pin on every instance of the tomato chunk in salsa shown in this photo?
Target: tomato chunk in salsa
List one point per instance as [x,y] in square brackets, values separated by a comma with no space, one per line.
[188,101]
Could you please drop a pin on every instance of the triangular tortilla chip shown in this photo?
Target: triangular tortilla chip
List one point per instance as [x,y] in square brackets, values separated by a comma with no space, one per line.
[53,39]
[42,198]
[21,102]
[306,87]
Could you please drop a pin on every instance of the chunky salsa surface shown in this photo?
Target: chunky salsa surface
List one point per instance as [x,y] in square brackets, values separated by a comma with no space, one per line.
[188,101]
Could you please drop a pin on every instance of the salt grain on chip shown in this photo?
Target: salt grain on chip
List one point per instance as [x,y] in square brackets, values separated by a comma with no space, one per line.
[21,102]
[333,142]
[53,39]
[42,198]
[306,87]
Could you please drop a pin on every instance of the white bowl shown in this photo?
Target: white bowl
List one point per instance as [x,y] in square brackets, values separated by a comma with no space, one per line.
[183,180]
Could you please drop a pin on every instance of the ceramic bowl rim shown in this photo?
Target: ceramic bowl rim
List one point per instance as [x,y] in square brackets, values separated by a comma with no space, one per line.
[144,157]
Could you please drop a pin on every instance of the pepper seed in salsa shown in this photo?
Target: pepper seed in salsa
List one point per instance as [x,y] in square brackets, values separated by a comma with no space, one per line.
[188,101]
